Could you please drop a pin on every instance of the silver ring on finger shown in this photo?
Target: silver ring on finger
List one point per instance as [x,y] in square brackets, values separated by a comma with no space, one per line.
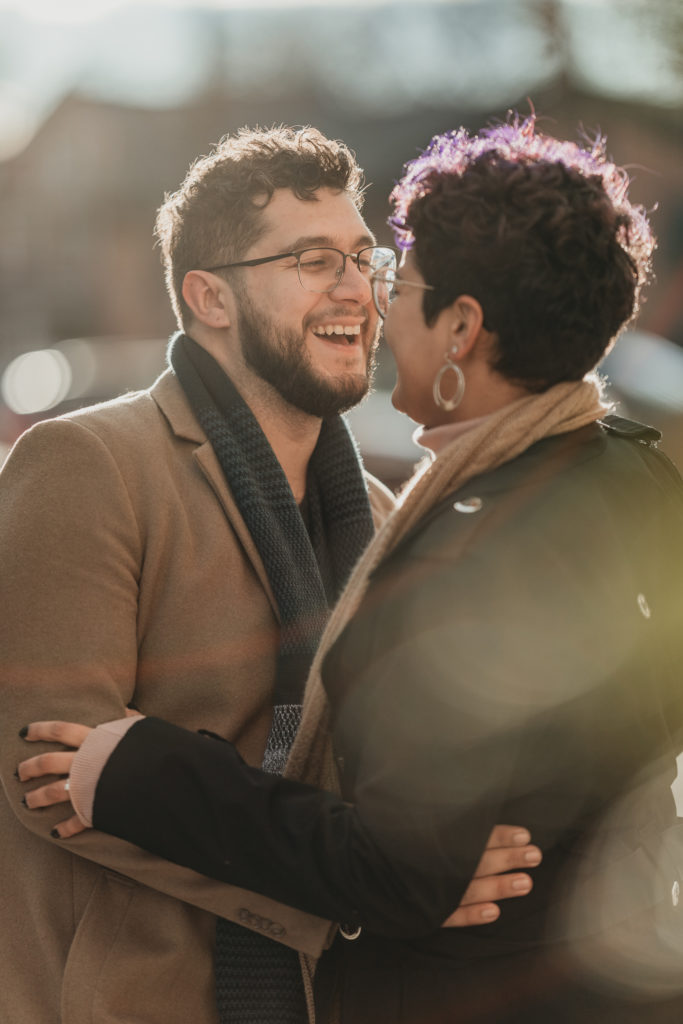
[67,787]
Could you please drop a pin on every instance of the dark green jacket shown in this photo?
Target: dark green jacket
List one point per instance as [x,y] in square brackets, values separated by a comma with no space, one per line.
[516,659]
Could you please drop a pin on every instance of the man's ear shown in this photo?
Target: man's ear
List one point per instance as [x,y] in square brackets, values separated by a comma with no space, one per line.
[464,320]
[208,297]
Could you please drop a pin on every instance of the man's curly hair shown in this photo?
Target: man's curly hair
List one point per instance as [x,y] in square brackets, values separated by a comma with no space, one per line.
[541,232]
[216,214]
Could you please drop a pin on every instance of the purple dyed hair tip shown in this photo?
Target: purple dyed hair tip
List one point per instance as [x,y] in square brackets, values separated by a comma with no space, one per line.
[518,141]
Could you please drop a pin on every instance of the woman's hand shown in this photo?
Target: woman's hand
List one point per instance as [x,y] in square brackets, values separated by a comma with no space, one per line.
[508,848]
[496,877]
[53,763]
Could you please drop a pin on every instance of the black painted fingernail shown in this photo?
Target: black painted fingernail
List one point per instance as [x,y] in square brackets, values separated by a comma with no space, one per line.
[34,809]
[55,833]
[23,732]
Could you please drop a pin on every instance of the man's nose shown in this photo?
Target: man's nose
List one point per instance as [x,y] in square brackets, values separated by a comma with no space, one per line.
[354,284]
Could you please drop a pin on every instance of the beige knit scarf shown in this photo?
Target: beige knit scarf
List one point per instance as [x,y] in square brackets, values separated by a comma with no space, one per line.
[499,438]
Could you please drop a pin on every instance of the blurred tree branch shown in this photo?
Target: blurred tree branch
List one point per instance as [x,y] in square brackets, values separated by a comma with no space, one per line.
[660,19]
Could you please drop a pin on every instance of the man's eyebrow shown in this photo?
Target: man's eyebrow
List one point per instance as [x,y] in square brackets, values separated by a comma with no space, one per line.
[315,241]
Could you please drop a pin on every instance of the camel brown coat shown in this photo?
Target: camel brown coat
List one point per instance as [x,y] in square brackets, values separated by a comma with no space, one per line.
[127,577]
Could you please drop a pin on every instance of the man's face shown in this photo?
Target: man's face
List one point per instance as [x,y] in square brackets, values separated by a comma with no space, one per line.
[291,337]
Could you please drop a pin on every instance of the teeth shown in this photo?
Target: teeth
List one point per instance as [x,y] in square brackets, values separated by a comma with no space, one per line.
[336,329]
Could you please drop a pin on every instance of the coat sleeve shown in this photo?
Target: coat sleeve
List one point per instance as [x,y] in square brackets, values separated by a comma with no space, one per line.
[71,550]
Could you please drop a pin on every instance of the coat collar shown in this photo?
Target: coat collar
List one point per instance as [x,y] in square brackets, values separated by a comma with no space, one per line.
[169,396]
[171,400]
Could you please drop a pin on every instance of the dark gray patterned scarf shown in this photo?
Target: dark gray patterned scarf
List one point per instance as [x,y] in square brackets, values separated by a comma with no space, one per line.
[258,981]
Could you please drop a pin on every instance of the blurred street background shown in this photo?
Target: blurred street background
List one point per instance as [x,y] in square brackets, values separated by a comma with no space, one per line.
[104,103]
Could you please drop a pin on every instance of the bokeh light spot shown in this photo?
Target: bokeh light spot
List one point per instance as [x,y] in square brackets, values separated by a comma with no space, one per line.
[36,381]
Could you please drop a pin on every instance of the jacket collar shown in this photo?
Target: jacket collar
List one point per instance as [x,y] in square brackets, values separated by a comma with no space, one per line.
[171,400]
[169,396]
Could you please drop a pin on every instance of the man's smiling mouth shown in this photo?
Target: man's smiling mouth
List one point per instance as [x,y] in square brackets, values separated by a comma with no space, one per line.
[334,331]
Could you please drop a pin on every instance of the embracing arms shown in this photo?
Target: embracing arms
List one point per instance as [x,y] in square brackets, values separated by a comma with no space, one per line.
[192,798]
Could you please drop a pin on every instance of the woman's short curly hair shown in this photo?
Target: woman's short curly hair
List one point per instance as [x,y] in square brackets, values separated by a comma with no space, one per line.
[541,232]
[216,214]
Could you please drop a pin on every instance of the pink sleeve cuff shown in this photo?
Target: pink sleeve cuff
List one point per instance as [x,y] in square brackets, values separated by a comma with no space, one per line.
[89,762]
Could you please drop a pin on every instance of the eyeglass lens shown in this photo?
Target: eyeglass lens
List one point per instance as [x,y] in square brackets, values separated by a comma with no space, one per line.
[321,270]
[383,288]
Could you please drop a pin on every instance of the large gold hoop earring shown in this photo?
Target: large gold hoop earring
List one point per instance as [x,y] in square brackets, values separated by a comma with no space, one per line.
[448,404]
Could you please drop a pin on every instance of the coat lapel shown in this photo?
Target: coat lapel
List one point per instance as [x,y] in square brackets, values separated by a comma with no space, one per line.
[169,396]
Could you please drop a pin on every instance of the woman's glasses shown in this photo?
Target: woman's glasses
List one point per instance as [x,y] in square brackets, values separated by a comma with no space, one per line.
[384,283]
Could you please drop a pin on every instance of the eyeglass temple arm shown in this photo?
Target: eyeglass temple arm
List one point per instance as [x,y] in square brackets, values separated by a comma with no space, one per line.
[377,276]
[252,263]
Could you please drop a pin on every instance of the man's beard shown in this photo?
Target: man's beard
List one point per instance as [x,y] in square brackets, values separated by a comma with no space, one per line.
[280,357]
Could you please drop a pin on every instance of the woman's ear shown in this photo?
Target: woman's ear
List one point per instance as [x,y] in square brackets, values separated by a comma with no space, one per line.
[207,295]
[465,322]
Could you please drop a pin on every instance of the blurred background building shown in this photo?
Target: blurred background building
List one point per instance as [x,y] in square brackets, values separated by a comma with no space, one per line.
[104,103]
